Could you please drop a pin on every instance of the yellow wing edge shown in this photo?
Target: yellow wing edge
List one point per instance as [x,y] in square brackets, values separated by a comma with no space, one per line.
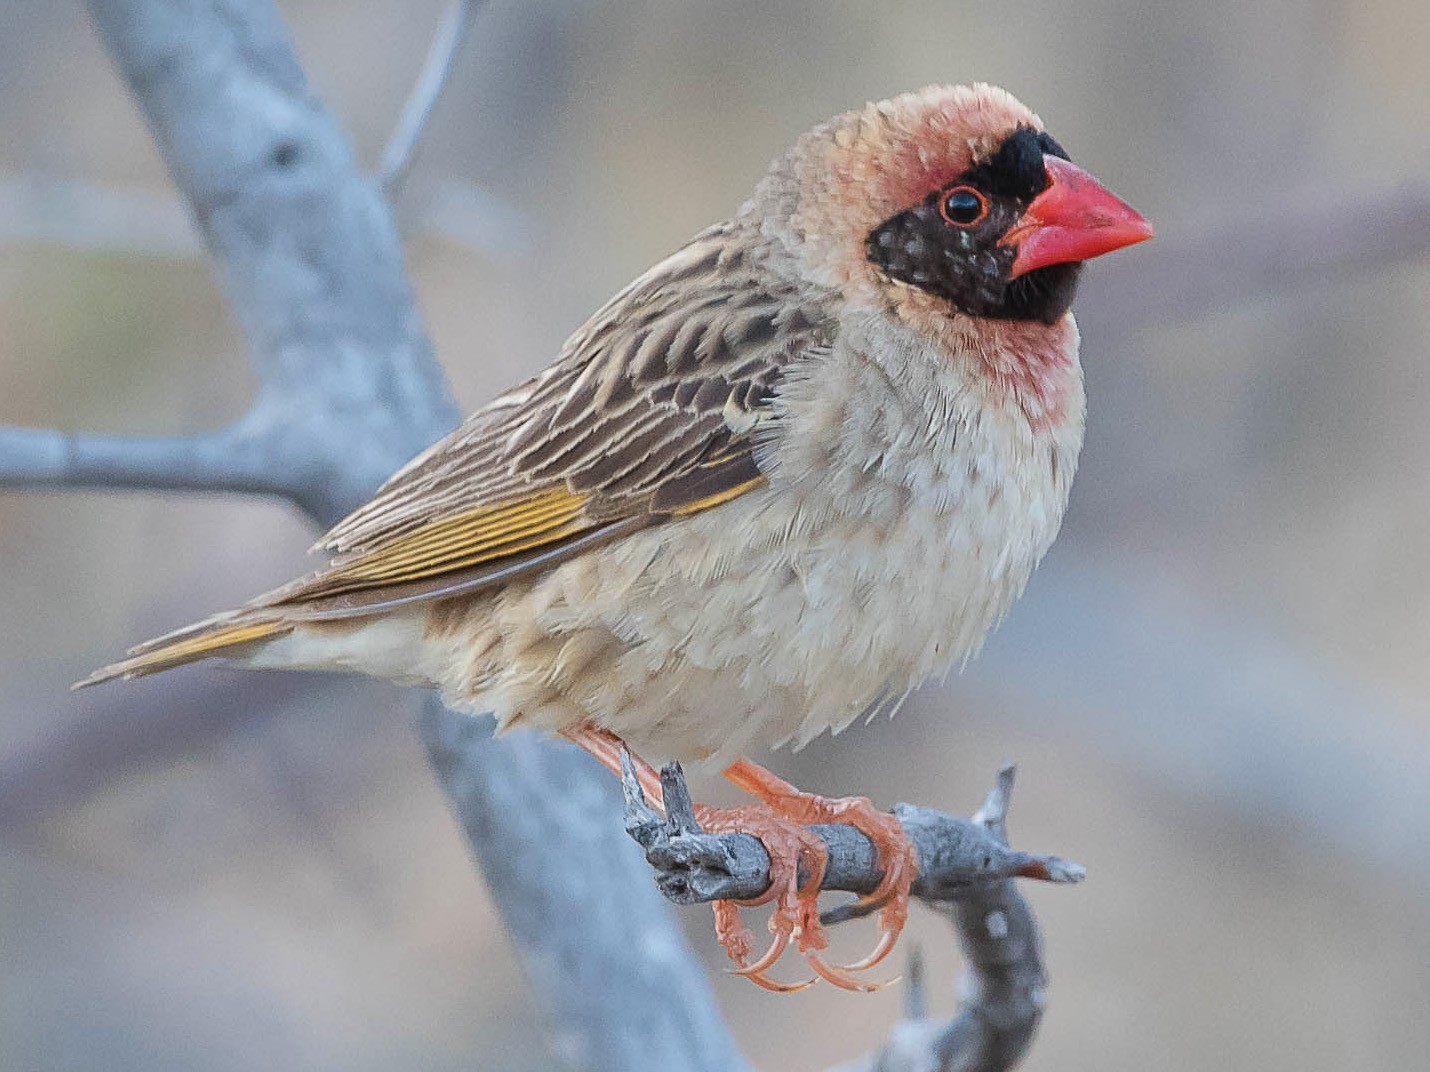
[460,542]
[192,644]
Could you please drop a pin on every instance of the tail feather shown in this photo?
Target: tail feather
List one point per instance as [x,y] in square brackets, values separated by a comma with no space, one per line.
[227,634]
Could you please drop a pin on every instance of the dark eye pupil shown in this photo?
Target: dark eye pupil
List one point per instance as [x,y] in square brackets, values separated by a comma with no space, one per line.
[963,206]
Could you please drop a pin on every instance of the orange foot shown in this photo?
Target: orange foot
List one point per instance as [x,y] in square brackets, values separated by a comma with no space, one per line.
[780,821]
[794,810]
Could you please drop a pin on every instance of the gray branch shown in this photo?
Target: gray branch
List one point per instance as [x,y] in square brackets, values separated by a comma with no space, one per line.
[81,215]
[1278,247]
[225,461]
[1003,981]
[955,855]
[965,871]
[402,145]
[76,214]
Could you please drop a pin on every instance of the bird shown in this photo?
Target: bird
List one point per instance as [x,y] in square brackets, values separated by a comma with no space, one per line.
[795,469]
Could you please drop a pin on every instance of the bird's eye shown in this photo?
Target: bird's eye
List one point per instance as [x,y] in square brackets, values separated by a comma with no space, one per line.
[963,206]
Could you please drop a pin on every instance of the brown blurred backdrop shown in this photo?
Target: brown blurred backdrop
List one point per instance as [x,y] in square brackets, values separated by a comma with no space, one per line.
[1217,688]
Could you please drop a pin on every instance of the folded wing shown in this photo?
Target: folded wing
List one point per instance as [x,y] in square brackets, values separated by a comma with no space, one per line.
[653,411]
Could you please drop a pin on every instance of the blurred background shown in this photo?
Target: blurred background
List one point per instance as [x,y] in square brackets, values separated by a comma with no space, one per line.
[1216,688]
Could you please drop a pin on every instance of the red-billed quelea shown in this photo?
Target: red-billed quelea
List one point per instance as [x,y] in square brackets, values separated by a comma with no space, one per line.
[789,473]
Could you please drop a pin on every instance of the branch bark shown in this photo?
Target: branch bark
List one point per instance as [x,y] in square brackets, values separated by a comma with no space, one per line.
[955,855]
[436,69]
[224,461]
[966,872]
[1004,980]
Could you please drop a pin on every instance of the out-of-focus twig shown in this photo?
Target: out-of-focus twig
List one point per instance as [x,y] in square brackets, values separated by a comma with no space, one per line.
[1263,251]
[224,461]
[436,68]
[81,215]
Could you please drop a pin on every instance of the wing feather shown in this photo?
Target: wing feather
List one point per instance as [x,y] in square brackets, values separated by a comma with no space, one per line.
[650,413]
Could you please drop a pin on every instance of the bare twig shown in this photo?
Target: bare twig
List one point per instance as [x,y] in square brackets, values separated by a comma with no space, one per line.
[471,216]
[81,215]
[402,145]
[955,855]
[966,870]
[1003,976]
[224,461]
[1279,247]
[1003,983]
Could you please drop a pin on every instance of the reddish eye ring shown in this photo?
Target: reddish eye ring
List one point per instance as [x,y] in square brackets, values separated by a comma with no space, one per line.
[963,206]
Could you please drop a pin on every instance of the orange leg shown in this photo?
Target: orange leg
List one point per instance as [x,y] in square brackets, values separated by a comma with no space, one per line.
[606,747]
[779,821]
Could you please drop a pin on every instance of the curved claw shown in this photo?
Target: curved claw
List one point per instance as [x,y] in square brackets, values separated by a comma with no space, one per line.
[755,972]
[880,894]
[772,954]
[762,980]
[887,940]
[839,977]
[894,879]
[781,822]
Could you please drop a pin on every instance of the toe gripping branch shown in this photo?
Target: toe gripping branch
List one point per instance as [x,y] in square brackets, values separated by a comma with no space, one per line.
[958,858]
[965,872]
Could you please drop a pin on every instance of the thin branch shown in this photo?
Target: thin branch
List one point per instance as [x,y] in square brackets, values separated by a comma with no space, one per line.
[82,215]
[966,871]
[1003,985]
[955,855]
[470,216]
[401,147]
[1275,248]
[1004,981]
[223,461]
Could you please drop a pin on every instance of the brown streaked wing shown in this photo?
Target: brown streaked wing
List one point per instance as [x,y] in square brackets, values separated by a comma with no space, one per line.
[650,412]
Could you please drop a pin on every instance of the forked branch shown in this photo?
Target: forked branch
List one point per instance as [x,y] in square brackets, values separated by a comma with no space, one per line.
[966,871]
[955,855]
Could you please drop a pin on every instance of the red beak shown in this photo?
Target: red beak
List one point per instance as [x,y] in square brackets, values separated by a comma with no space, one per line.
[1074,219]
